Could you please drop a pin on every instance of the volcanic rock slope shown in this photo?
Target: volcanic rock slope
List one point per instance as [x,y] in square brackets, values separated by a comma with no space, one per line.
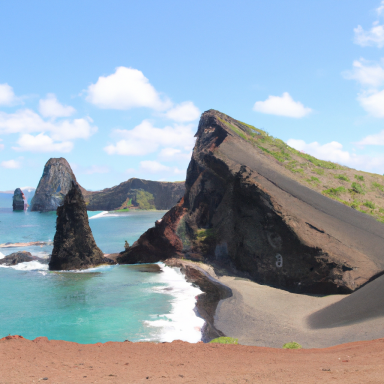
[165,194]
[74,246]
[241,208]
[54,184]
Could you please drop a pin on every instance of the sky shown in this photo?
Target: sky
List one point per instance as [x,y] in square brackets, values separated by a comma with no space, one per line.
[117,87]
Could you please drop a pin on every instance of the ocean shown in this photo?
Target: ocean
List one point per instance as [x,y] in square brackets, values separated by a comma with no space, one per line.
[109,303]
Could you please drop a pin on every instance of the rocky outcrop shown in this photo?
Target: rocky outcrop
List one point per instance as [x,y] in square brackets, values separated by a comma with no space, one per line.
[18,200]
[20,257]
[53,186]
[74,246]
[164,195]
[241,210]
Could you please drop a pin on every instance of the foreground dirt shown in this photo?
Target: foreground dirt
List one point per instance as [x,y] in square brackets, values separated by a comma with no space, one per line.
[25,361]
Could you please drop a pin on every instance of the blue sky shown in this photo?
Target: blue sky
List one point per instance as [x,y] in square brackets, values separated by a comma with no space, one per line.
[117,87]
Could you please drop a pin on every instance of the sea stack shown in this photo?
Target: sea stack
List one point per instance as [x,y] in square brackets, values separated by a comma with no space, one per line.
[18,200]
[244,210]
[74,246]
[53,185]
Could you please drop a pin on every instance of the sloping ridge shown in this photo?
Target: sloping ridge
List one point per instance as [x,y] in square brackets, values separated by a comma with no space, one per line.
[241,210]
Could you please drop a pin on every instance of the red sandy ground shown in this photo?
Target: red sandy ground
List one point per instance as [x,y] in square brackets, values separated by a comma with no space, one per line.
[41,360]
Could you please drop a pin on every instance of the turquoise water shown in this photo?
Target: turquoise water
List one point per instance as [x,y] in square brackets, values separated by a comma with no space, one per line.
[113,303]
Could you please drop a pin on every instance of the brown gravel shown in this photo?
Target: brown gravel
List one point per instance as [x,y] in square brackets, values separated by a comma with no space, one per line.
[41,360]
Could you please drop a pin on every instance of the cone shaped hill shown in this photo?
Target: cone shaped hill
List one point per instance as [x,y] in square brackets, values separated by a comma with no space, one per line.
[279,216]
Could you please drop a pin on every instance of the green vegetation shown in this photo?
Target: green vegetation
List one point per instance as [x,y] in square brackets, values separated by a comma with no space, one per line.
[369,204]
[334,191]
[319,171]
[205,234]
[378,186]
[314,179]
[342,177]
[144,200]
[357,188]
[292,345]
[122,210]
[360,178]
[225,340]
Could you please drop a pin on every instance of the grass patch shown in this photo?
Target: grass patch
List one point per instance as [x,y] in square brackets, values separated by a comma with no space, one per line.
[292,345]
[369,204]
[279,156]
[319,171]
[357,188]
[334,191]
[317,162]
[314,179]
[122,210]
[205,234]
[378,186]
[225,340]
[342,177]
[360,178]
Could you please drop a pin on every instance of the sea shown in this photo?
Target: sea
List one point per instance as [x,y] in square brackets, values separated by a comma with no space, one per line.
[108,303]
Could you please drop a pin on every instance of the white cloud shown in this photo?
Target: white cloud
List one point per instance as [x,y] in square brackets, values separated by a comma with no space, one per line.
[125,89]
[96,169]
[373,37]
[366,73]
[373,102]
[172,154]
[282,106]
[145,139]
[380,9]
[153,166]
[41,143]
[183,112]
[7,96]
[376,139]
[50,107]
[1,145]
[334,152]
[10,164]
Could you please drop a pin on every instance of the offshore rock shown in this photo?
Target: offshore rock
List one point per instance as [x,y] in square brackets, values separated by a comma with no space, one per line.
[20,257]
[163,195]
[53,186]
[74,246]
[18,200]
[242,210]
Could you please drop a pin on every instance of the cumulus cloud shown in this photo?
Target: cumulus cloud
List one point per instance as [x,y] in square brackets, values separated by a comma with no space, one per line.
[373,102]
[334,152]
[96,169]
[7,96]
[50,107]
[183,112]
[376,139]
[145,139]
[282,106]
[10,164]
[153,166]
[41,143]
[372,37]
[366,73]
[174,154]
[380,9]
[125,89]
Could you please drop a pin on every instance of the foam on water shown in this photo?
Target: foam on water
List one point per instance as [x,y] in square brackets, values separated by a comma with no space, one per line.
[181,323]
[28,266]
[2,255]
[98,215]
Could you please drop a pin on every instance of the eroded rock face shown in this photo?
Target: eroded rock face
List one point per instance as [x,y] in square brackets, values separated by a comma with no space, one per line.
[53,186]
[74,246]
[165,195]
[18,200]
[241,210]
[20,257]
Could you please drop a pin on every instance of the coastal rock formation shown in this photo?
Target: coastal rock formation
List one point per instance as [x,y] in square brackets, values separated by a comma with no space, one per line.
[53,186]
[242,210]
[20,257]
[74,246]
[18,200]
[157,195]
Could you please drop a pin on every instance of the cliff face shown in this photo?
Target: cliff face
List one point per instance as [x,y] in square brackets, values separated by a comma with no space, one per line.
[53,186]
[74,246]
[18,200]
[240,209]
[165,195]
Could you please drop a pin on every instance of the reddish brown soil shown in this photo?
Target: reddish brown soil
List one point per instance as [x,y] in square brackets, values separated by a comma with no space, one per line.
[41,360]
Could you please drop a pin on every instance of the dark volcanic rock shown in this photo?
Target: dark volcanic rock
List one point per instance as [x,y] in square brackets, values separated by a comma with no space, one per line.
[20,257]
[74,246]
[240,209]
[53,186]
[18,200]
[165,194]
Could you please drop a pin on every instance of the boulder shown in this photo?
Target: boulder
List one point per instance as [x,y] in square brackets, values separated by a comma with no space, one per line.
[18,200]
[74,246]
[20,257]
[243,211]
